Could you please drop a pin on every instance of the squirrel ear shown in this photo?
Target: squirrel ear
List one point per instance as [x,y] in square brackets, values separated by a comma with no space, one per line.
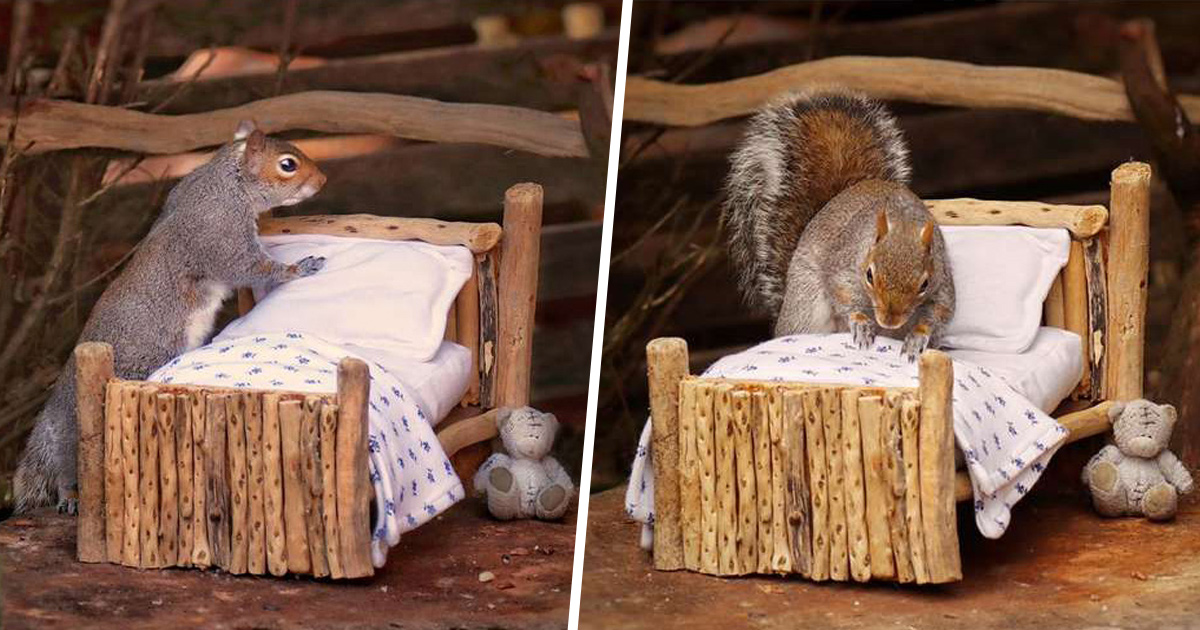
[927,234]
[881,225]
[244,129]
[255,144]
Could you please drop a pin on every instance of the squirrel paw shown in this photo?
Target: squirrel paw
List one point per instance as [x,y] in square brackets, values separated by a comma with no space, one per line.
[68,506]
[863,333]
[308,266]
[914,344]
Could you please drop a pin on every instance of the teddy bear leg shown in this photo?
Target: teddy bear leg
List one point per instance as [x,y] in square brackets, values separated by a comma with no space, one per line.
[1159,502]
[503,500]
[552,502]
[1108,493]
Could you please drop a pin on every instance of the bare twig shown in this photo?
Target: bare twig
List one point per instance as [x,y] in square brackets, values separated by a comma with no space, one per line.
[106,52]
[60,81]
[212,56]
[285,45]
[133,74]
[21,13]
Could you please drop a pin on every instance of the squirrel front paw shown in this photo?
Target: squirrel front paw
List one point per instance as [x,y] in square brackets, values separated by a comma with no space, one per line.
[914,344]
[862,331]
[308,266]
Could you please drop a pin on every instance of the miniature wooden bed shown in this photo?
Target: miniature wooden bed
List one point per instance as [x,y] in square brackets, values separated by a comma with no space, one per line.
[858,483]
[275,482]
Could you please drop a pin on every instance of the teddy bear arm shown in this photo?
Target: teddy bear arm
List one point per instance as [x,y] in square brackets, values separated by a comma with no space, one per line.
[481,476]
[1175,472]
[1109,453]
[558,474]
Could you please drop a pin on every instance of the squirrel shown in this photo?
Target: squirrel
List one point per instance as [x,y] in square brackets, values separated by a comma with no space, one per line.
[203,245]
[823,232]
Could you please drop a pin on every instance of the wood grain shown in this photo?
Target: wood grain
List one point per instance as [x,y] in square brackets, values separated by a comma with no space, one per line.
[93,370]
[477,237]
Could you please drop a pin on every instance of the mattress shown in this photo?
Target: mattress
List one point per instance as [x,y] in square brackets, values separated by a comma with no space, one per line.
[437,385]
[1046,373]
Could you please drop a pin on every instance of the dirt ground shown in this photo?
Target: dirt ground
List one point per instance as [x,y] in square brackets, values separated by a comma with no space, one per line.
[1058,566]
[431,581]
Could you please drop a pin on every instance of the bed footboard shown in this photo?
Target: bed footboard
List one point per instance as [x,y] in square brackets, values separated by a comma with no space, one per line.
[258,482]
[829,482]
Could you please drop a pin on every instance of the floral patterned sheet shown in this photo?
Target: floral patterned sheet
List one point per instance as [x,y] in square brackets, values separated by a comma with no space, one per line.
[1005,439]
[411,474]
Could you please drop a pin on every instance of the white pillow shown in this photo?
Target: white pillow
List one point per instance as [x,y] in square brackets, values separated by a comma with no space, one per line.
[393,296]
[436,385]
[1001,277]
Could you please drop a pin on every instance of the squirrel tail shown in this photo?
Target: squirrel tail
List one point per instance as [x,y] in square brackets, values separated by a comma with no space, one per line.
[799,152]
[33,483]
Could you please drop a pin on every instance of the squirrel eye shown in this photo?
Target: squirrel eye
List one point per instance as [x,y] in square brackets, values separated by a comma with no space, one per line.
[871,275]
[288,164]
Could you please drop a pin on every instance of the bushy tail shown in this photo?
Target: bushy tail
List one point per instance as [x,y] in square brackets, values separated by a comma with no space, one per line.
[799,152]
[34,483]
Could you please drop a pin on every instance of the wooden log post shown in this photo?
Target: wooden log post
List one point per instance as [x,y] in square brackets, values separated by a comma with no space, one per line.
[1128,265]
[795,465]
[706,452]
[519,279]
[489,308]
[294,525]
[1075,297]
[877,488]
[329,418]
[910,426]
[310,462]
[114,474]
[760,432]
[781,557]
[201,549]
[276,536]
[256,546]
[131,553]
[353,480]
[239,500]
[689,476]
[892,441]
[726,475]
[468,332]
[858,547]
[184,457]
[216,473]
[667,362]
[747,505]
[831,415]
[148,489]
[93,370]
[1053,309]
[168,482]
[818,486]
[937,467]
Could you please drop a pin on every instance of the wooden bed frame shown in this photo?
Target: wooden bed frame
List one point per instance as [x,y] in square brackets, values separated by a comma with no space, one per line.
[276,482]
[858,483]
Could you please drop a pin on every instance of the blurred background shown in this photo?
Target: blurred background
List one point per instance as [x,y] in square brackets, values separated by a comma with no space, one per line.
[669,275]
[68,219]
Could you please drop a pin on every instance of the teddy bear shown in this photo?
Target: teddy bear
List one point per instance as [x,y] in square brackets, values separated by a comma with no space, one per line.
[522,480]
[1137,475]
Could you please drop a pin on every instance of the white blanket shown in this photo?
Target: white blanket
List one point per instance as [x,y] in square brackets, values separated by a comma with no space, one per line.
[412,476]
[1006,440]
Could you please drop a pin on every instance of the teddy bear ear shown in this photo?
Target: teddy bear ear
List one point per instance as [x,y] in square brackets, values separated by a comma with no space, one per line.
[1115,411]
[1169,413]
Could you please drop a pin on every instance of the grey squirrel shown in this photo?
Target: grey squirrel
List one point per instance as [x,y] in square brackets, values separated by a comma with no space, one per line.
[823,231]
[165,301]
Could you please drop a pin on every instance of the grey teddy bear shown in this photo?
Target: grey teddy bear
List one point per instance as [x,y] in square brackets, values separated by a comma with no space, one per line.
[524,481]
[1137,475]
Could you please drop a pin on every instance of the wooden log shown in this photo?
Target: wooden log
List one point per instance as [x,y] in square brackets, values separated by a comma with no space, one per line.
[295,526]
[839,560]
[931,81]
[333,549]
[256,523]
[467,431]
[184,459]
[148,477]
[519,279]
[1128,265]
[747,503]
[726,475]
[760,432]
[1080,221]
[1075,297]
[937,467]
[1053,309]
[114,474]
[201,548]
[877,488]
[239,492]
[216,476]
[131,552]
[857,545]
[313,479]
[468,332]
[667,364]
[796,467]
[910,426]
[353,482]
[93,370]
[893,445]
[1092,383]
[168,486]
[818,486]
[276,533]
[689,476]
[477,237]
[706,453]
[52,125]
[485,273]
[451,330]
[781,557]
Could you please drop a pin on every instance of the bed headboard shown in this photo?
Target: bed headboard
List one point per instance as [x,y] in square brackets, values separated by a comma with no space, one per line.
[493,314]
[1101,293]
